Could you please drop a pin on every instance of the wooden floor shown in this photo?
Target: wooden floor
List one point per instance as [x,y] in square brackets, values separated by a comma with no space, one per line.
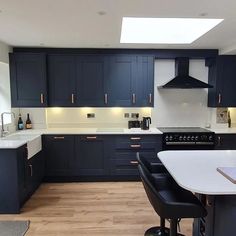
[95,209]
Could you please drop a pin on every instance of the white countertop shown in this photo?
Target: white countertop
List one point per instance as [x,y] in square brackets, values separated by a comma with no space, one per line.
[11,144]
[111,131]
[196,170]
[224,130]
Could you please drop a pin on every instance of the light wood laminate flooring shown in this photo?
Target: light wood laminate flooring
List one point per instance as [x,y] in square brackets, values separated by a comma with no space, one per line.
[95,209]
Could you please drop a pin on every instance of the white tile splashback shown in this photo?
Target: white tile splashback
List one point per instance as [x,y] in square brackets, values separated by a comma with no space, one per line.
[180,107]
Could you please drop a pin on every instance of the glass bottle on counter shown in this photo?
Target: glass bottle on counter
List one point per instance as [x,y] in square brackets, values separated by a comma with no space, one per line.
[229,119]
[28,123]
[20,125]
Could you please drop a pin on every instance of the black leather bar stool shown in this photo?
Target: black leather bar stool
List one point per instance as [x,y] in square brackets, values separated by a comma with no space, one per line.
[159,172]
[170,203]
[153,165]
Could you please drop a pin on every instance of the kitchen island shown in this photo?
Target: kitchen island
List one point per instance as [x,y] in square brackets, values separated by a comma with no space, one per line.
[196,171]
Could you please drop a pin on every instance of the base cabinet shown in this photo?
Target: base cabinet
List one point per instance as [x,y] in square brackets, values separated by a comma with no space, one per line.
[123,159]
[16,181]
[59,153]
[97,157]
[90,156]
[225,142]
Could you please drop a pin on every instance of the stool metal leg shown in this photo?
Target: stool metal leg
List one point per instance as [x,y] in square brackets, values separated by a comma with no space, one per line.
[173,228]
[159,230]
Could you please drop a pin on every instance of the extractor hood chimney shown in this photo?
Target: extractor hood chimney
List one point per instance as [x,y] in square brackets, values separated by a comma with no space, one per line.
[182,79]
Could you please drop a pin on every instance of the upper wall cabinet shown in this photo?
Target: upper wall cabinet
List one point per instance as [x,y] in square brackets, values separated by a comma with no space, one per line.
[145,81]
[62,80]
[222,73]
[90,79]
[121,72]
[28,80]
[78,80]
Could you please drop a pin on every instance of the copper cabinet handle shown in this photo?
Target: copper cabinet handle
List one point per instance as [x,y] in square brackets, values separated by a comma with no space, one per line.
[91,137]
[133,98]
[31,170]
[219,98]
[135,138]
[134,162]
[150,98]
[219,140]
[105,98]
[208,201]
[72,98]
[41,98]
[135,145]
[59,137]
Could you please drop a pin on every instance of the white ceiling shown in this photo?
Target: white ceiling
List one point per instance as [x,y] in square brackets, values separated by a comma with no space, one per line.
[77,23]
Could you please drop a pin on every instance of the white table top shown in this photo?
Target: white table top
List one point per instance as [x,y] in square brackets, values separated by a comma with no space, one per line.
[196,170]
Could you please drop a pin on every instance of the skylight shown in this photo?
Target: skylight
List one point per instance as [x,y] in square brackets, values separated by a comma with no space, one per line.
[165,30]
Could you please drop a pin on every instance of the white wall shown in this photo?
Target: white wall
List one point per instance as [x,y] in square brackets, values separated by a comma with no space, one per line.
[5,98]
[4,50]
[180,107]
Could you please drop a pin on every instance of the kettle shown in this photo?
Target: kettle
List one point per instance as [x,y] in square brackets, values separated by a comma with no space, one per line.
[146,122]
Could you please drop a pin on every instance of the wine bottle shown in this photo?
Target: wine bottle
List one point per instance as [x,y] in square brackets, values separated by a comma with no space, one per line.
[28,124]
[229,119]
[20,123]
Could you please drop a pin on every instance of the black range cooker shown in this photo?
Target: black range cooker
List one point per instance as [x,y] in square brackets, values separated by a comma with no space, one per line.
[187,138]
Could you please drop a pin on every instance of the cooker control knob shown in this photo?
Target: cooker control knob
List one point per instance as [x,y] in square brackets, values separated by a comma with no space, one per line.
[167,138]
[184,138]
[196,138]
[171,137]
[188,138]
[192,138]
[180,138]
[210,138]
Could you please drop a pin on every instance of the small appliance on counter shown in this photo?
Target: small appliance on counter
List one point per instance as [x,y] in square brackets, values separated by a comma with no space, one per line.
[145,124]
[133,124]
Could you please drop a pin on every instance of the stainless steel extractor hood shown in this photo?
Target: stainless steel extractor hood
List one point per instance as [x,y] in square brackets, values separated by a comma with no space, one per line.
[182,79]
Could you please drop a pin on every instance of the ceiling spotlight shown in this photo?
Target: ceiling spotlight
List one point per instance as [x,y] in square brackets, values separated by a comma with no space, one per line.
[203,14]
[101,13]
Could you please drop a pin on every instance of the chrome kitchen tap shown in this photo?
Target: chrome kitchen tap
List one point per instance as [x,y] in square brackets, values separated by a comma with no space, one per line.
[3,132]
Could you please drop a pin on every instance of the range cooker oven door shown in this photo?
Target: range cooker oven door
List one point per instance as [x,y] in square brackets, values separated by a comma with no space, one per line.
[189,146]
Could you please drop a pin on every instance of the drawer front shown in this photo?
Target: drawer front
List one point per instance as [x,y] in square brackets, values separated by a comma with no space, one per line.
[124,167]
[136,145]
[138,138]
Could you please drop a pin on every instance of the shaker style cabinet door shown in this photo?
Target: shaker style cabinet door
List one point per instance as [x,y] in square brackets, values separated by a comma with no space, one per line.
[90,158]
[120,76]
[145,81]
[59,154]
[28,79]
[222,70]
[90,80]
[62,80]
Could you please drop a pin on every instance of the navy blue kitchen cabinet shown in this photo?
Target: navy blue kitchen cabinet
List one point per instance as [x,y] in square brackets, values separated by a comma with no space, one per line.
[35,172]
[59,151]
[91,157]
[120,82]
[123,160]
[90,78]
[225,142]
[28,80]
[145,81]
[62,80]
[222,70]
[14,180]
